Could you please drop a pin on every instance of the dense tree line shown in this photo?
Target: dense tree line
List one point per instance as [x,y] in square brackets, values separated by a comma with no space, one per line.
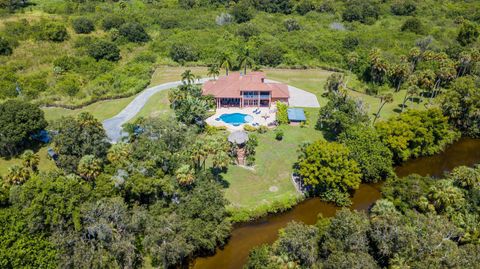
[115,205]
[422,222]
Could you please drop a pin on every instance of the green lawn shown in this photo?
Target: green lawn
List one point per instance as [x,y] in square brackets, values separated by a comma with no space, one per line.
[157,106]
[269,185]
[45,164]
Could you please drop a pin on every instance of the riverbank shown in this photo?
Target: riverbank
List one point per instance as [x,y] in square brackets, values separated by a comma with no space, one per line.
[244,237]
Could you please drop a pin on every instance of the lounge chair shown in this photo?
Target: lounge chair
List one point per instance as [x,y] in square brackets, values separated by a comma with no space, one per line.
[217,119]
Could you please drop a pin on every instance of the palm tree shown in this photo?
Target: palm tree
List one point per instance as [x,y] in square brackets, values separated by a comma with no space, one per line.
[226,63]
[119,154]
[30,160]
[188,77]
[410,92]
[386,98]
[185,175]
[17,175]
[89,167]
[213,71]
[246,60]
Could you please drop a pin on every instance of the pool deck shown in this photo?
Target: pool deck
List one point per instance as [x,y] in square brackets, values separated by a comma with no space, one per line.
[257,118]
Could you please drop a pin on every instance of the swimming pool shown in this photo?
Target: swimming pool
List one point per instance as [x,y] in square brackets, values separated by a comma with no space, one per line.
[236,119]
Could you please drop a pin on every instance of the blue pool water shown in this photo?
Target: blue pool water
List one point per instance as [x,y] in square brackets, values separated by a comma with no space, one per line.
[236,119]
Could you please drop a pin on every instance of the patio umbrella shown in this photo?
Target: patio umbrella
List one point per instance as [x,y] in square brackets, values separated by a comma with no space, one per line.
[238,137]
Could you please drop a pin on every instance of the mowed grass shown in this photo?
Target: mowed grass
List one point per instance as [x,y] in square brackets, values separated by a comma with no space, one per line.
[45,164]
[258,191]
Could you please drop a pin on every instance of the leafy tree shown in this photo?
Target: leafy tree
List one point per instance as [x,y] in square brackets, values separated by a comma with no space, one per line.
[52,31]
[50,201]
[461,102]
[340,113]
[106,234]
[416,133]
[269,55]
[112,21]
[403,7]
[242,11]
[468,33]
[304,6]
[466,177]
[275,6]
[260,257]
[327,166]
[19,120]
[247,30]
[299,242]
[20,248]
[413,25]
[166,240]
[366,148]
[78,137]
[187,4]
[350,260]
[362,11]
[83,25]
[134,32]
[104,50]
[5,47]
[282,113]
[183,53]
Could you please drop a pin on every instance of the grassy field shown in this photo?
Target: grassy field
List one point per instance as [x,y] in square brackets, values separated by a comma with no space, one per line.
[45,164]
[106,109]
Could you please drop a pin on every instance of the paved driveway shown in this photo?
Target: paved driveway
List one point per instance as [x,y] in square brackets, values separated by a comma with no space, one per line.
[299,97]
[113,126]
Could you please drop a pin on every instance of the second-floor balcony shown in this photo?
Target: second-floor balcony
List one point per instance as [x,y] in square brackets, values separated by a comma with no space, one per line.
[262,95]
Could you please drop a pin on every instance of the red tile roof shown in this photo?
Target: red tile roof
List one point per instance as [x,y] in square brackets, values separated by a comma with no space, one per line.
[230,86]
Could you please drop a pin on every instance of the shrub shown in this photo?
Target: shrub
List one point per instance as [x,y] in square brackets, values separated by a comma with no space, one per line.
[269,55]
[262,129]
[282,114]
[304,6]
[83,25]
[413,25]
[242,11]
[112,21]
[68,85]
[468,33]
[102,49]
[5,48]
[279,134]
[134,32]
[187,4]
[181,53]
[350,42]
[51,31]
[249,128]
[247,30]
[66,63]
[291,25]
[362,11]
[403,8]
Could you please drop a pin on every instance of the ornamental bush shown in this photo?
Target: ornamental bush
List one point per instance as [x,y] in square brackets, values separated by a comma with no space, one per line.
[282,114]
[134,32]
[104,50]
[51,31]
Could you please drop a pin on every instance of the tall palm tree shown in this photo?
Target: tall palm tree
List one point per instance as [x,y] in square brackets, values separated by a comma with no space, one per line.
[226,63]
[386,98]
[30,160]
[188,77]
[410,92]
[213,71]
[246,60]
[185,175]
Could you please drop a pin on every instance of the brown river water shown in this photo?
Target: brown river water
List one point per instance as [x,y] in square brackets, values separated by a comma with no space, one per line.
[265,230]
